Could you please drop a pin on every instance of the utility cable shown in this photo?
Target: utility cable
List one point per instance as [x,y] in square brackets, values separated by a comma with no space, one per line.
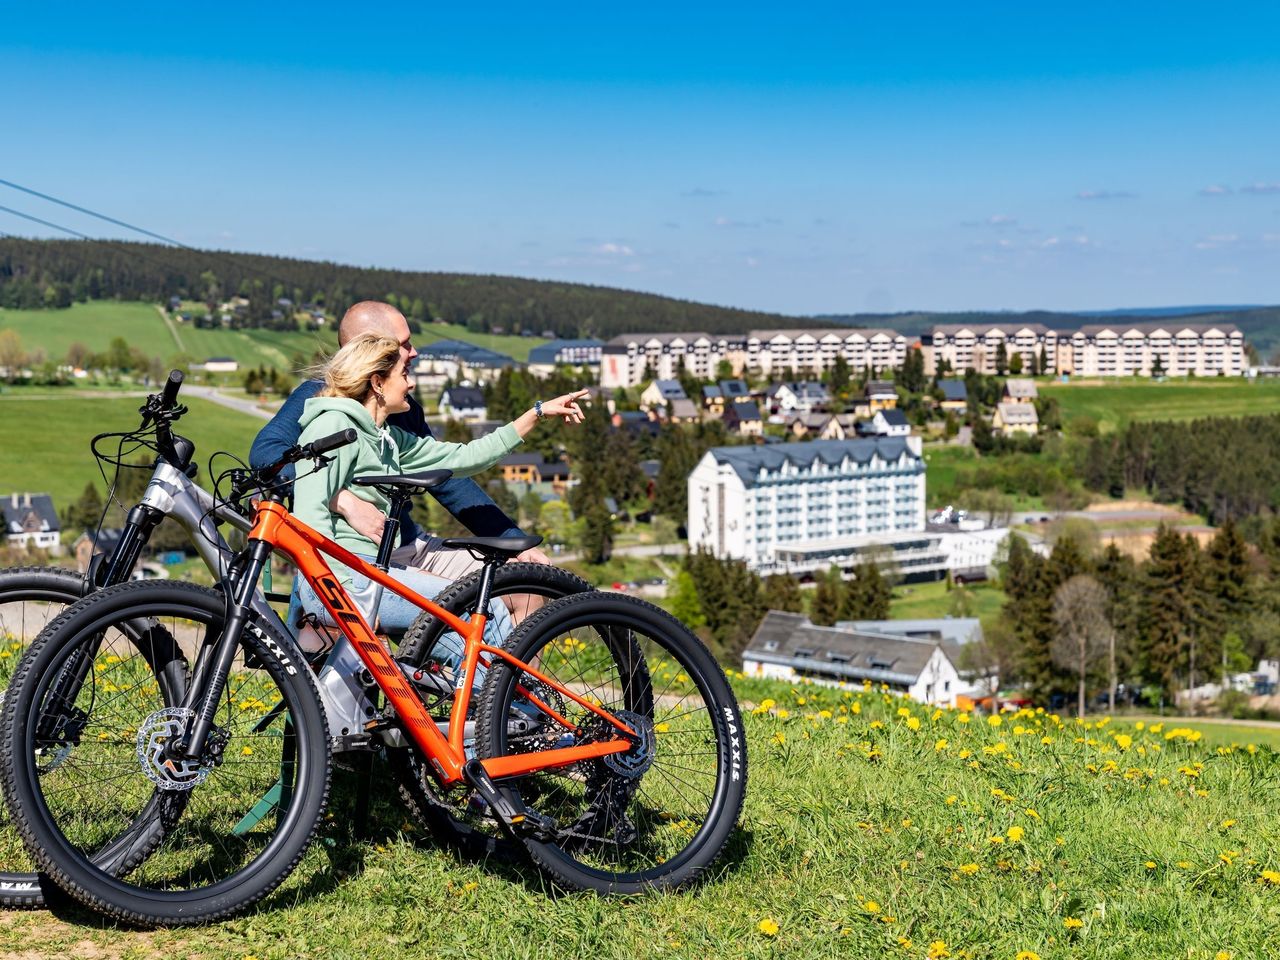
[100,216]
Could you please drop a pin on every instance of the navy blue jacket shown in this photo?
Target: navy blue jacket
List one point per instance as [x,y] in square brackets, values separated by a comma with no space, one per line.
[461,497]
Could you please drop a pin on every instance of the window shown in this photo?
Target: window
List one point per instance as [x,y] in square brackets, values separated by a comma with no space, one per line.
[805,651]
[771,644]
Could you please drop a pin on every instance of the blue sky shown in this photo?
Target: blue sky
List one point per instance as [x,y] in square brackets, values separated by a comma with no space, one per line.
[808,159]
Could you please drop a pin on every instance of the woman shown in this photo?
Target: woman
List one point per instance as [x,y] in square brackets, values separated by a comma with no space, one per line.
[365,382]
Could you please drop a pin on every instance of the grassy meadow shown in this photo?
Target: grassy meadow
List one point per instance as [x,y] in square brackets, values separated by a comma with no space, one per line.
[45,437]
[1114,403]
[96,323]
[873,826]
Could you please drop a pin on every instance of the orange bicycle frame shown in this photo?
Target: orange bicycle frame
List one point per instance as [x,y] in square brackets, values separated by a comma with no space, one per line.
[304,546]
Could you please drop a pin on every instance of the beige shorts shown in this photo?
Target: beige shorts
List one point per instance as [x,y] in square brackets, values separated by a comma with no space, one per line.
[429,554]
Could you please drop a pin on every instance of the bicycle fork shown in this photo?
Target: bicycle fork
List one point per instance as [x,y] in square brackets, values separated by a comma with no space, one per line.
[213,668]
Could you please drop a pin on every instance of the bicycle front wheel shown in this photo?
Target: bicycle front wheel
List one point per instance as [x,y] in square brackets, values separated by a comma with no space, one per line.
[86,761]
[657,816]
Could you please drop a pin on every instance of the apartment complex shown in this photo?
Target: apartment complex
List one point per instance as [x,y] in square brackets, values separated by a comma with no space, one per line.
[1094,350]
[625,359]
[795,507]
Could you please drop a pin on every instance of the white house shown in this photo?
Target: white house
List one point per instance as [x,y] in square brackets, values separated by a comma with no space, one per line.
[662,393]
[31,520]
[805,396]
[890,423]
[220,365]
[463,403]
[786,646]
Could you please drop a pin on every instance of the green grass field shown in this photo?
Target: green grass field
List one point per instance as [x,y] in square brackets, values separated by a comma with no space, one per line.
[924,600]
[45,438]
[95,324]
[1114,403]
[866,833]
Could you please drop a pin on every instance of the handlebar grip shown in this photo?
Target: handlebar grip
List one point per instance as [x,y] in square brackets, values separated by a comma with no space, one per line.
[331,442]
[171,389]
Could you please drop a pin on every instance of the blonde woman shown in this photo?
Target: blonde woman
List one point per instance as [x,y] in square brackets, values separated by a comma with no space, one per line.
[366,381]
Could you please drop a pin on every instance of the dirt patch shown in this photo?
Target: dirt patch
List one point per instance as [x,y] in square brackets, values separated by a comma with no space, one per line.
[1122,506]
[1137,543]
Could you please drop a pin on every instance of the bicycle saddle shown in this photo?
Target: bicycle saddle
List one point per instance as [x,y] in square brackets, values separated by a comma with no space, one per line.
[405,485]
[492,547]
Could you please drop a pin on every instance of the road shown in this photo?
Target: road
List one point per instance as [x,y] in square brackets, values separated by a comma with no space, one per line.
[245,405]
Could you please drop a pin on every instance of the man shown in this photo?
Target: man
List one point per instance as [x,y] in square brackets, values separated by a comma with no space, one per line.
[462,498]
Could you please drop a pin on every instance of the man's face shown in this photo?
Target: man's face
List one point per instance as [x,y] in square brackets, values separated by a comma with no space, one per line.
[401,333]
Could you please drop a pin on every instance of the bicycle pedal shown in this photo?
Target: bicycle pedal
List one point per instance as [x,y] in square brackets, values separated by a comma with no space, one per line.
[518,823]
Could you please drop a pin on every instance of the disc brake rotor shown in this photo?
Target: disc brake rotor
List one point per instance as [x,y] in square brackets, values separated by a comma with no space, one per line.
[167,773]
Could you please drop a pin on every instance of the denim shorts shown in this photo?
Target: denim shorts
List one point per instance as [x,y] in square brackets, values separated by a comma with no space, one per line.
[396,614]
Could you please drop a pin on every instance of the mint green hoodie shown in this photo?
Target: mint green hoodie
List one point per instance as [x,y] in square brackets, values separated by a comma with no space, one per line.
[376,451]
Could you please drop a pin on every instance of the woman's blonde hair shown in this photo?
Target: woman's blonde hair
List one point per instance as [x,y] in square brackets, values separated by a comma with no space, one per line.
[349,371]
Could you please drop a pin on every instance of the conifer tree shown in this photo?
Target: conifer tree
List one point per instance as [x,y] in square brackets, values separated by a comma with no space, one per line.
[825,604]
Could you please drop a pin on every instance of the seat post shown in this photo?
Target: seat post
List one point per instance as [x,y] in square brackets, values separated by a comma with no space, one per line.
[486,583]
[390,532]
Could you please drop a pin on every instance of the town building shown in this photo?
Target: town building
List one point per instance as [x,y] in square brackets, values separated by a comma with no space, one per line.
[979,347]
[803,396]
[31,521]
[786,646]
[661,393]
[955,396]
[459,360]
[629,359]
[544,359]
[799,507]
[1012,418]
[463,403]
[743,418]
[1150,349]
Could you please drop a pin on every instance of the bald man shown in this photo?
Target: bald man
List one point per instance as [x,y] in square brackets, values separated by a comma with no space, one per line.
[462,498]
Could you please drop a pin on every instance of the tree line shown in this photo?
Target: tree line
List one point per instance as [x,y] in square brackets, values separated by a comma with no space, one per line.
[1222,468]
[56,273]
[1183,616]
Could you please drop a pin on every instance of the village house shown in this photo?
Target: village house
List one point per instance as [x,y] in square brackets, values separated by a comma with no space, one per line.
[786,646]
[743,417]
[31,521]
[463,403]
[880,395]
[1020,390]
[1014,418]
[955,396]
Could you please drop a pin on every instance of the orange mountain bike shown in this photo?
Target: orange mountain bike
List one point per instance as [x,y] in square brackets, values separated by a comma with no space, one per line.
[601,735]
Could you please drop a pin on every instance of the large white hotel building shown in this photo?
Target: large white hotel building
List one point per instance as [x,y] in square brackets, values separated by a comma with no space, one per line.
[1096,350]
[799,507]
[766,352]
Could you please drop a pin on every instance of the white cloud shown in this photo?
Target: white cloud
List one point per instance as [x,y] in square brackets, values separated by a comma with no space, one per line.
[1215,241]
[615,249]
[1261,188]
[1105,195]
[1215,190]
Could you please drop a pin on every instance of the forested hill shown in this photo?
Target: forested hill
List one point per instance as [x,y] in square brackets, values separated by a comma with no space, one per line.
[37,273]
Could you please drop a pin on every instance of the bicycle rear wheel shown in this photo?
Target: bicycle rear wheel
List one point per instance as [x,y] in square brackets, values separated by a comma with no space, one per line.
[86,763]
[457,817]
[655,817]
[30,599]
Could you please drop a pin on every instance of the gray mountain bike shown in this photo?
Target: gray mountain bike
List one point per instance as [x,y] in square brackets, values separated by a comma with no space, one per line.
[32,598]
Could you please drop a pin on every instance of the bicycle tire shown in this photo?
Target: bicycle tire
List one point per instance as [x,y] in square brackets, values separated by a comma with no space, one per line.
[660,833]
[25,889]
[162,885]
[454,820]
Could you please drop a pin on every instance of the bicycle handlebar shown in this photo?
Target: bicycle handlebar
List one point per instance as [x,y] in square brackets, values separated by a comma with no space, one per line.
[171,387]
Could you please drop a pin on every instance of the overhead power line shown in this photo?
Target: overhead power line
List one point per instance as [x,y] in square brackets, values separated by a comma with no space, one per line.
[93,213]
[45,223]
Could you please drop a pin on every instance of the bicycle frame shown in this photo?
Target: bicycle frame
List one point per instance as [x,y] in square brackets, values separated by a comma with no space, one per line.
[276,527]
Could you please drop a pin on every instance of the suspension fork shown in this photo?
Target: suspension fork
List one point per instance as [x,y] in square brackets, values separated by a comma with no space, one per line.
[207,687]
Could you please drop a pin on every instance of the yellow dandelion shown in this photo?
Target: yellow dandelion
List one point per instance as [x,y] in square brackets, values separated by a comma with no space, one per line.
[996,840]
[1027,955]
[766,704]
[1073,923]
[1270,877]
[913,723]
[783,714]
[968,869]
[1015,834]
[1150,864]
[951,800]
[994,720]
[938,950]
[1031,813]
[871,906]
[768,926]
[1222,955]
[940,745]
[1227,824]
[963,718]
